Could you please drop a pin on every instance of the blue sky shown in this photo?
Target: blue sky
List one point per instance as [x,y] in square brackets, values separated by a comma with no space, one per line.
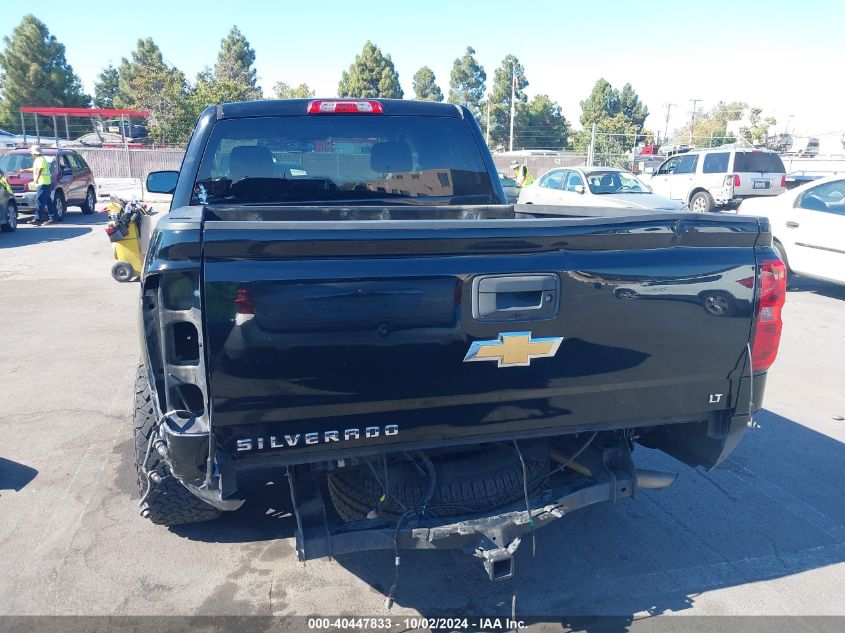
[786,57]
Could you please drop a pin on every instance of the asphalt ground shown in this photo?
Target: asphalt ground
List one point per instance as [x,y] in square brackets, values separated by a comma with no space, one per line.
[764,534]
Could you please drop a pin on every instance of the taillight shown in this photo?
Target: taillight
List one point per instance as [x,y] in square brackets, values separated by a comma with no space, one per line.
[748,282]
[243,302]
[338,107]
[737,181]
[769,323]
[783,182]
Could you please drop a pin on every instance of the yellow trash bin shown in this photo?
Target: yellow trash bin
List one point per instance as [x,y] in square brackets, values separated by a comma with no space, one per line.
[127,252]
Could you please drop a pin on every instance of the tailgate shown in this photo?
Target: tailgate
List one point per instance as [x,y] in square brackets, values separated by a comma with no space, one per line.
[324,336]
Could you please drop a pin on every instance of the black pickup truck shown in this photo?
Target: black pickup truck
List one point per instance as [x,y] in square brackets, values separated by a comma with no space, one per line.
[341,297]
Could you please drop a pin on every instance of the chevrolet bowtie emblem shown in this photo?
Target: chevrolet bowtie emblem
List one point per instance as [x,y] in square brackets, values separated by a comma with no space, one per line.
[514,349]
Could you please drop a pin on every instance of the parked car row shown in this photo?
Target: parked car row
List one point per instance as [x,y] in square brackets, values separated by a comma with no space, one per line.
[72,182]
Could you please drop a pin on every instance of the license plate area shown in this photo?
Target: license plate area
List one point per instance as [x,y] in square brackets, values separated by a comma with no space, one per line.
[761,184]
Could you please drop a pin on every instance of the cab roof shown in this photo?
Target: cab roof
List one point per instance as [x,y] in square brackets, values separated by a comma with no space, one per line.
[290,107]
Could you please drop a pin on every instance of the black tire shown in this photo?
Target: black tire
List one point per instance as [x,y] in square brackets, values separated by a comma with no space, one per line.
[122,271]
[476,480]
[702,202]
[89,204]
[61,205]
[781,252]
[168,501]
[10,222]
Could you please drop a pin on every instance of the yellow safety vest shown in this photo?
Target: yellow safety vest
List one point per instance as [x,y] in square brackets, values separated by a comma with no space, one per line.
[5,184]
[41,171]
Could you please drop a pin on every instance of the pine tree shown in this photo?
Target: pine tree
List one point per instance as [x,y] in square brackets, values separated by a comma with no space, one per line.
[619,118]
[425,86]
[145,59]
[35,72]
[467,82]
[235,64]
[545,126]
[503,78]
[106,87]
[371,75]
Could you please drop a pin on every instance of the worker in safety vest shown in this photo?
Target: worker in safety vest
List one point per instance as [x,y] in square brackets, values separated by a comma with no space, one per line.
[45,210]
[5,183]
[522,175]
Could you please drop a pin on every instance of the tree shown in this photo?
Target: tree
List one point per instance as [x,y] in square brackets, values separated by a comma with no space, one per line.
[425,86]
[106,87]
[467,82]
[283,91]
[545,126]
[619,118]
[235,64]
[510,72]
[210,90]
[757,132]
[710,129]
[145,59]
[165,93]
[631,107]
[35,72]
[371,75]
[603,102]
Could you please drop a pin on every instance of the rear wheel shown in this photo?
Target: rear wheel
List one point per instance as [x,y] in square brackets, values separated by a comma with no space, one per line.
[90,202]
[167,502]
[10,222]
[702,202]
[475,479]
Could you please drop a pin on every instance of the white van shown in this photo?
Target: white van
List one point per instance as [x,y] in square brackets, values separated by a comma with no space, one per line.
[720,177]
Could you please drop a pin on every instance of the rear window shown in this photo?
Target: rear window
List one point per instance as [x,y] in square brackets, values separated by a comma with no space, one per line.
[716,163]
[344,158]
[762,162]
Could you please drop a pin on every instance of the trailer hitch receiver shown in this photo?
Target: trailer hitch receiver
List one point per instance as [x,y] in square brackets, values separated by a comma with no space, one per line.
[498,561]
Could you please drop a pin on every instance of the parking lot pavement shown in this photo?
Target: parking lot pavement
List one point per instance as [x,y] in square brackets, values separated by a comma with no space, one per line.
[763,534]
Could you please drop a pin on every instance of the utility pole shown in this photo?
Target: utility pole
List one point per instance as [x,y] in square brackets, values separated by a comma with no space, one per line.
[668,107]
[513,104]
[489,99]
[694,103]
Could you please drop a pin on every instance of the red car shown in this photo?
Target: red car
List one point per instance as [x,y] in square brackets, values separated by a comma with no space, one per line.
[73,180]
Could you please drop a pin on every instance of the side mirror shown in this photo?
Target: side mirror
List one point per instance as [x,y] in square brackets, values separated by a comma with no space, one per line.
[579,189]
[162,181]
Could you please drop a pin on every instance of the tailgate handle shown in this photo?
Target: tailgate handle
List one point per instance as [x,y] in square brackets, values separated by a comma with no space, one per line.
[515,297]
[792,225]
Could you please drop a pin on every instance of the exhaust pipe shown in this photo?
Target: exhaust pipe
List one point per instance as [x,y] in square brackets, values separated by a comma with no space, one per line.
[655,479]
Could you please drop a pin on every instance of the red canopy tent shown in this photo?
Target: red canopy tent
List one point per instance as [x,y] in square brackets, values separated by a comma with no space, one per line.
[80,112]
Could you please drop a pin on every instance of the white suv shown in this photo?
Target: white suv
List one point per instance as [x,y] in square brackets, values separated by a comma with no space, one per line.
[718,178]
